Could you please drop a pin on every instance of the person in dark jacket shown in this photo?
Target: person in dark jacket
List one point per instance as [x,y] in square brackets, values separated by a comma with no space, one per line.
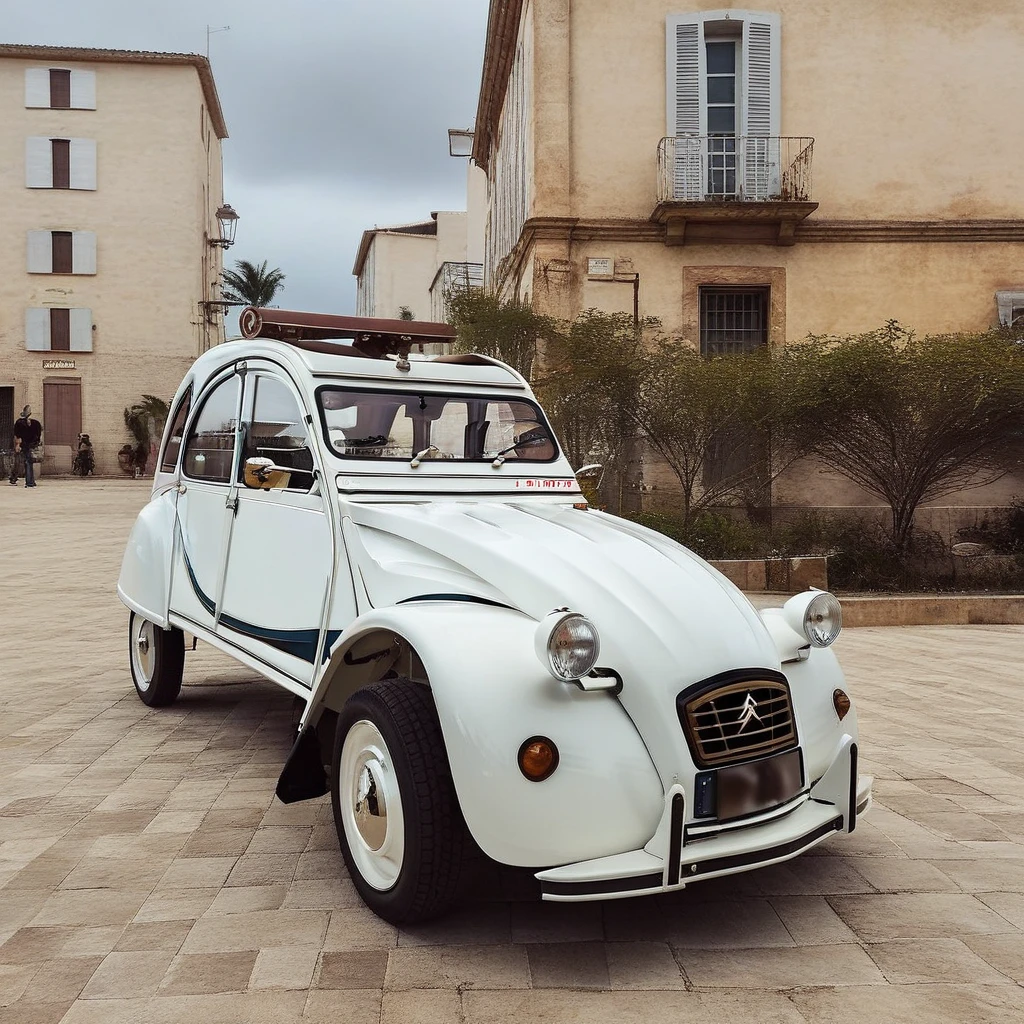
[27,434]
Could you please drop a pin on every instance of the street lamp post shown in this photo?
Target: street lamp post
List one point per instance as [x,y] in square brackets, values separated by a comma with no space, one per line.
[227,219]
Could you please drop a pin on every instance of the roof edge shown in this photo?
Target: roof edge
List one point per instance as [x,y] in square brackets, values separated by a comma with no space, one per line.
[19,51]
[499,53]
[421,229]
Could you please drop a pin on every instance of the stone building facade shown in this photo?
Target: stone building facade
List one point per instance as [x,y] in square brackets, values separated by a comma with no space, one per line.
[759,175]
[110,179]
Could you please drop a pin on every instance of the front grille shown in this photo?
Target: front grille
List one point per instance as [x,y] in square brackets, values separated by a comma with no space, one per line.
[737,721]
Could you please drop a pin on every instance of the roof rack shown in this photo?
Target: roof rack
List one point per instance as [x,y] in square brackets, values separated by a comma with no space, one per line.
[371,337]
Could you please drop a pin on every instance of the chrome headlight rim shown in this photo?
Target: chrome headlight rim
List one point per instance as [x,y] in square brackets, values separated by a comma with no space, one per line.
[807,613]
[546,640]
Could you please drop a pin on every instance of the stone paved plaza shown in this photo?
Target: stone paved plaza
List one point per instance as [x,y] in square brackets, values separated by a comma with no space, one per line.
[147,872]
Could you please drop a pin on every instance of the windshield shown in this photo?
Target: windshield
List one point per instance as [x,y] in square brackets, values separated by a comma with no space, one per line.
[391,425]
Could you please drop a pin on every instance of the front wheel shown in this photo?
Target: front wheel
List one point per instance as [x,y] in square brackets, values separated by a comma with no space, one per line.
[398,819]
[157,659]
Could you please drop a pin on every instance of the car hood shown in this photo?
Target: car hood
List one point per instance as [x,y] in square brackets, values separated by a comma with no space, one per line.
[658,607]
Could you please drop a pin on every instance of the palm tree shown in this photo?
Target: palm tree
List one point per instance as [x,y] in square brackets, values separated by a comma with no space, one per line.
[251,284]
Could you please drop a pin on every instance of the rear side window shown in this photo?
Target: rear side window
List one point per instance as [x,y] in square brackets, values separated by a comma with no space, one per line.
[176,435]
[210,449]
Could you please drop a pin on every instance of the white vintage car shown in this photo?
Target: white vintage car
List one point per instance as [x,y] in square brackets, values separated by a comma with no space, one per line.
[485,662]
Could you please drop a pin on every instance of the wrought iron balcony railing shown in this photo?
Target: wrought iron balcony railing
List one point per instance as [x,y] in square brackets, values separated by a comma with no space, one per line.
[740,168]
[450,279]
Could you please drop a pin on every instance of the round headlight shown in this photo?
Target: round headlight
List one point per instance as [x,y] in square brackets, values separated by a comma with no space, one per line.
[572,647]
[823,619]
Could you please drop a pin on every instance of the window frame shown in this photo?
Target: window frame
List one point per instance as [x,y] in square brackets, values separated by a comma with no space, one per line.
[184,404]
[762,291]
[540,418]
[252,380]
[197,411]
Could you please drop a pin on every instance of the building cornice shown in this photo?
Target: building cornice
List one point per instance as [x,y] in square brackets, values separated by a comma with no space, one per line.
[503,22]
[812,230]
[71,54]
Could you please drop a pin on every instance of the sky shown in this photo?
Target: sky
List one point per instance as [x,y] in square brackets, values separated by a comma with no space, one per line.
[337,111]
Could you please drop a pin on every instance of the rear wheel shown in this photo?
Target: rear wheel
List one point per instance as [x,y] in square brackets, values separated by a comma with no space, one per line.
[157,659]
[398,819]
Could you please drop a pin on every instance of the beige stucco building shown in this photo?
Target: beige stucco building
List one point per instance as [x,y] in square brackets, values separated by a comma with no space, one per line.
[110,180]
[414,267]
[759,174]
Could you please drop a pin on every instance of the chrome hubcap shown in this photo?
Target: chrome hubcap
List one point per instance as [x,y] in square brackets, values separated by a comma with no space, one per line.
[143,654]
[371,806]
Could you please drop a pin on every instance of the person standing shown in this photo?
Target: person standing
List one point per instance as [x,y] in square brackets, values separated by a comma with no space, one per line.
[27,434]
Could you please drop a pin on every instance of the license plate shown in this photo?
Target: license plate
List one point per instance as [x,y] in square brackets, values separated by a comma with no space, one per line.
[748,788]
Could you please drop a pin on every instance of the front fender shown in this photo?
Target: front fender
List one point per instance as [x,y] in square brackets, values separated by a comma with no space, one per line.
[144,583]
[492,694]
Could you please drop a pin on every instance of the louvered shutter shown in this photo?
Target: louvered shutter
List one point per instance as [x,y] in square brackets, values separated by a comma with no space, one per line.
[38,160]
[37,87]
[40,252]
[762,177]
[81,330]
[83,90]
[83,252]
[687,105]
[37,329]
[83,163]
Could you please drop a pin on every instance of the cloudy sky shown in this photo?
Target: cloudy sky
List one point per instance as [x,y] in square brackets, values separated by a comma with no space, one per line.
[338,112]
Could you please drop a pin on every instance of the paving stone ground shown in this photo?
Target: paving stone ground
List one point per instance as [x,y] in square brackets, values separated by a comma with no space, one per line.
[148,874]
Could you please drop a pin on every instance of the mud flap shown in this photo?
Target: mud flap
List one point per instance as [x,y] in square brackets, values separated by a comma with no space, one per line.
[303,776]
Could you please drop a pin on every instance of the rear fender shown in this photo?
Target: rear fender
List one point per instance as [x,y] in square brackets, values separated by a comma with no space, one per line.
[492,694]
[145,581]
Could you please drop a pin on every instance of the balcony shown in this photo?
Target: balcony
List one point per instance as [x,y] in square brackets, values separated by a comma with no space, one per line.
[733,189]
[452,278]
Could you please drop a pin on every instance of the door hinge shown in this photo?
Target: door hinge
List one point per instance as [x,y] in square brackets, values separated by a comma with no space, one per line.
[232,504]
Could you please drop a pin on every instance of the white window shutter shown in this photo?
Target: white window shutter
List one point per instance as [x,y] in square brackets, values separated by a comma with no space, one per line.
[38,162]
[81,330]
[83,252]
[40,252]
[37,87]
[687,103]
[83,90]
[83,163]
[37,329]
[762,77]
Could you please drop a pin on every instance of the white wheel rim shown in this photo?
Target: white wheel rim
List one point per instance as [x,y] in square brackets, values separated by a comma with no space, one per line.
[143,651]
[371,806]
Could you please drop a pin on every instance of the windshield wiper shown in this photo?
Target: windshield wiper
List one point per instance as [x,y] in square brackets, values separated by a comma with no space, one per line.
[525,442]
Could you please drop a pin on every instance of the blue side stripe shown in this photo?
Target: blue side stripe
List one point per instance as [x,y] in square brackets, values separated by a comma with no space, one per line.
[299,643]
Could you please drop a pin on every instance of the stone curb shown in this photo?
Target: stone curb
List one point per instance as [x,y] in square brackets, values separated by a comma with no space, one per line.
[922,609]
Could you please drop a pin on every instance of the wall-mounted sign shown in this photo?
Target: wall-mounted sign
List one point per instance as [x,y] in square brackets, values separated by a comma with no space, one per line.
[58,364]
[600,267]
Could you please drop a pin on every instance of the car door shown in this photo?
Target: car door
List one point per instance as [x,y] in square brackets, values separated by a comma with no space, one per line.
[204,492]
[282,551]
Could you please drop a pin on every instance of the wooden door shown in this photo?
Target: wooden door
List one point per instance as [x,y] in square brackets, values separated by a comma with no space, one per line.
[62,412]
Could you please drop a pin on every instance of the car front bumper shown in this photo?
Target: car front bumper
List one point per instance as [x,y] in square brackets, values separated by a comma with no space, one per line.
[679,854]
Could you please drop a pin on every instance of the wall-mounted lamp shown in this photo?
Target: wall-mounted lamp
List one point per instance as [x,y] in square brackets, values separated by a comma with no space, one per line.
[228,221]
[460,142]
[211,307]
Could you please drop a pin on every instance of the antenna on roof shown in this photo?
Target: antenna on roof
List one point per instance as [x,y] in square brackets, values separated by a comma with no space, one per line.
[212,31]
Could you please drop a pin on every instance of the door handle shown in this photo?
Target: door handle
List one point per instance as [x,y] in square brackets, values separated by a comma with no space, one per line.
[181,488]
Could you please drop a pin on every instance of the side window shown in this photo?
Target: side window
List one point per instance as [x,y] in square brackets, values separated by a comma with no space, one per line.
[211,442]
[176,434]
[277,431]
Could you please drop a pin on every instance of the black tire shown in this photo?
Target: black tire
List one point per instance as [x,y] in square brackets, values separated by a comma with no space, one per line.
[157,659]
[436,841]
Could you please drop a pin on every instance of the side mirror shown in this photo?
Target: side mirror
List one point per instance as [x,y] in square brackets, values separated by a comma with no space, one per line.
[262,474]
[589,479]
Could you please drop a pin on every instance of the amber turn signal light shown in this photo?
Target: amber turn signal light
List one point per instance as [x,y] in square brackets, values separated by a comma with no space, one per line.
[842,703]
[538,758]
